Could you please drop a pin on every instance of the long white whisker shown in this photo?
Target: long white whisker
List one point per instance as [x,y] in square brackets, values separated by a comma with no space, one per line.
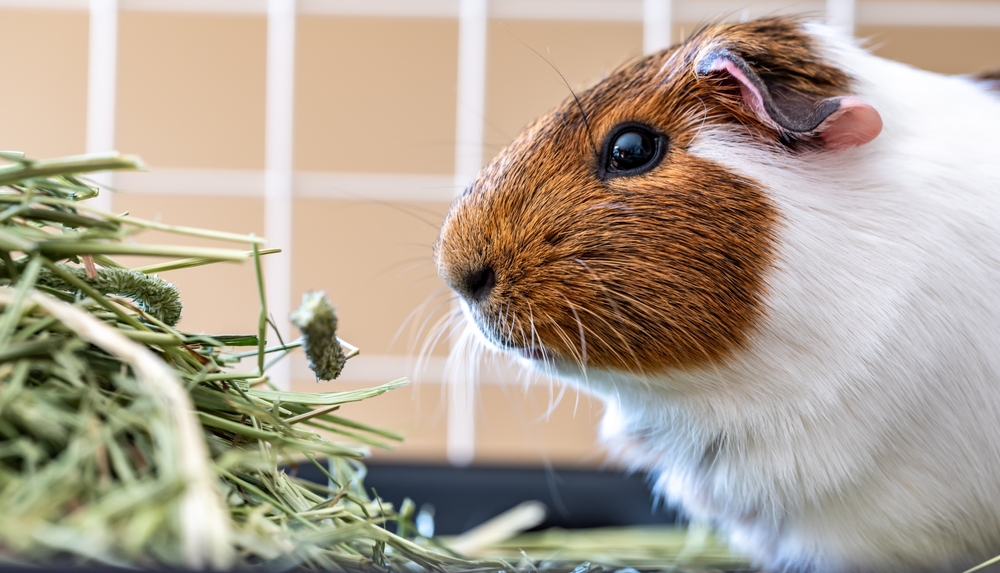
[424,311]
[444,325]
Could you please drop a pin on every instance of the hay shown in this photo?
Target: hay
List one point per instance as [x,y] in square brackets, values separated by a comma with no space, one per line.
[643,547]
[126,441]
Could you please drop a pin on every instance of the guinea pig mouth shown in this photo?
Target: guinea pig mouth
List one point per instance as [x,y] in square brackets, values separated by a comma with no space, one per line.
[532,352]
[488,333]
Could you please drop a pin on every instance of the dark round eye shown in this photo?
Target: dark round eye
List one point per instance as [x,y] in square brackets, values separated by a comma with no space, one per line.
[632,150]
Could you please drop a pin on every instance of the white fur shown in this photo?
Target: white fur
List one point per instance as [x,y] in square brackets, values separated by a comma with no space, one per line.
[861,430]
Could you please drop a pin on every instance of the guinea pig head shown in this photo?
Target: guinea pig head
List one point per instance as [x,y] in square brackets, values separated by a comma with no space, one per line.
[597,239]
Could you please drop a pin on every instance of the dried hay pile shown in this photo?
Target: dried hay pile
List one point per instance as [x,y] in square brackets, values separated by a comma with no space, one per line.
[126,441]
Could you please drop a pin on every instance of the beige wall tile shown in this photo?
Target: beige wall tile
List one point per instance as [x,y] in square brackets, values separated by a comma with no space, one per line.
[521,85]
[514,425]
[942,50]
[43,105]
[375,94]
[417,411]
[374,260]
[191,89]
[220,298]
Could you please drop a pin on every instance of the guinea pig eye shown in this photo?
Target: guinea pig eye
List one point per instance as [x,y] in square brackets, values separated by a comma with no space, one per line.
[632,149]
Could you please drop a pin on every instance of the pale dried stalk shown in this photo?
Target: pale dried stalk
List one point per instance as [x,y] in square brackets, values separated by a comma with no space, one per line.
[518,519]
[204,522]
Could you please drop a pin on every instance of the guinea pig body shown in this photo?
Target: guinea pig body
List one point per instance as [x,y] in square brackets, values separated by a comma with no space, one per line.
[788,309]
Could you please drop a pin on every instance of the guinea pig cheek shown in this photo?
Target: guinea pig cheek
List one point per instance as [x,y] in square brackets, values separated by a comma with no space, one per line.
[680,283]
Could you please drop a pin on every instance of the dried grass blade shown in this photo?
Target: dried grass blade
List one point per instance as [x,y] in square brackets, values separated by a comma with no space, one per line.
[204,524]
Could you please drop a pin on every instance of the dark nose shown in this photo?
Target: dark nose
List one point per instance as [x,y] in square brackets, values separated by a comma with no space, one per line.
[478,283]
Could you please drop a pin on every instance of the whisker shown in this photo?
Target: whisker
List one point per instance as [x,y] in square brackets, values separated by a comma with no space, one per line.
[407,211]
[445,325]
[576,99]
[443,321]
[423,310]
[583,337]
[634,366]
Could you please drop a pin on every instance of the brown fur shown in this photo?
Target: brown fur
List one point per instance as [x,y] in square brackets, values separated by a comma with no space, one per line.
[648,272]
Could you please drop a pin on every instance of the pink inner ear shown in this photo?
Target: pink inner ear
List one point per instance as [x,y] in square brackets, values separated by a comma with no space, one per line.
[750,93]
[855,123]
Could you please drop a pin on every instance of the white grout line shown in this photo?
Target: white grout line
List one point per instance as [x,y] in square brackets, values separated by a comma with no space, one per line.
[200,182]
[595,10]
[47,4]
[365,369]
[841,14]
[471,101]
[416,187]
[470,108]
[390,8]
[101,71]
[381,368]
[278,175]
[377,369]
[376,186]
[461,377]
[703,11]
[203,6]
[657,24]
[935,13]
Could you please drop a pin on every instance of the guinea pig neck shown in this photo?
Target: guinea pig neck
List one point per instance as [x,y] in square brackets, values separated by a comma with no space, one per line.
[846,394]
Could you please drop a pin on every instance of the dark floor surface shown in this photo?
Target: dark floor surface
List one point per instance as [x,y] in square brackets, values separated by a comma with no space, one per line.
[465,497]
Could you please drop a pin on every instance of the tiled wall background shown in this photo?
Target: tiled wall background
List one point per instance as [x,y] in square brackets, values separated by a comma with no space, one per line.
[374,155]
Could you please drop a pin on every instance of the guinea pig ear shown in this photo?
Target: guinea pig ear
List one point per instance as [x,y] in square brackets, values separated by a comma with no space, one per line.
[841,122]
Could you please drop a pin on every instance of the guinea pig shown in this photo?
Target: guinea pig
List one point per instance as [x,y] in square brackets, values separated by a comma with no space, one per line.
[776,258]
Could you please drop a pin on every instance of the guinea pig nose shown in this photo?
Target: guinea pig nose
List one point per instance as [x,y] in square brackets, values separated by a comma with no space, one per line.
[478,284]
